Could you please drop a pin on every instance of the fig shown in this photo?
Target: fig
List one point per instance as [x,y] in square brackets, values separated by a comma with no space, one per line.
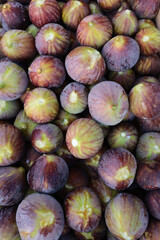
[84,138]
[73,12]
[148,40]
[74,98]
[8,227]
[157,20]
[119,23]
[149,125]
[153,203]
[145,23]
[43,12]
[85,65]
[2,32]
[148,79]
[121,53]
[40,216]
[46,138]
[124,135]
[145,100]
[148,147]
[126,216]
[24,124]
[11,144]
[11,177]
[153,230]
[82,209]
[47,71]
[52,39]
[92,26]
[109,5]
[9,109]
[30,157]
[94,8]
[48,174]
[33,30]
[108,103]
[11,90]
[126,79]
[41,105]
[14,16]
[124,6]
[18,45]
[29,88]
[117,168]
[145,8]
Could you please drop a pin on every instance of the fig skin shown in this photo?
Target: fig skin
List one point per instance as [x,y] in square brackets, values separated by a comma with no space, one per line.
[9,109]
[124,135]
[117,168]
[46,138]
[73,12]
[82,209]
[92,26]
[126,216]
[121,53]
[107,108]
[94,8]
[153,230]
[41,105]
[148,147]
[144,100]
[157,20]
[148,175]
[11,90]
[48,174]
[33,30]
[145,23]
[2,32]
[12,144]
[84,138]
[149,125]
[40,216]
[152,200]
[11,177]
[43,12]
[85,65]
[110,5]
[145,8]
[47,71]
[52,39]
[119,23]
[8,222]
[14,16]
[18,45]
[74,98]
[30,157]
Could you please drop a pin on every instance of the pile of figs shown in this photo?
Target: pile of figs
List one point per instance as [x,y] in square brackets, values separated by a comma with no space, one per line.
[80,120]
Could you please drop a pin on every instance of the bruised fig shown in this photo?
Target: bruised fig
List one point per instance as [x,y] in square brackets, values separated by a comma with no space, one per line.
[153,203]
[11,177]
[126,217]
[40,216]
[153,230]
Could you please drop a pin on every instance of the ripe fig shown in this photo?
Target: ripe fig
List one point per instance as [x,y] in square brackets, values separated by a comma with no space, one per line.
[153,230]
[153,203]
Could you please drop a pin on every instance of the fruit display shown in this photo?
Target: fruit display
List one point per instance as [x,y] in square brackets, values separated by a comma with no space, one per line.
[80,120]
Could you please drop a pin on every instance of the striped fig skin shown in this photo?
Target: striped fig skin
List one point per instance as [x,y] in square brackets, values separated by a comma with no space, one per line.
[144,100]
[11,177]
[9,109]
[83,209]
[145,23]
[108,103]
[42,12]
[48,174]
[117,168]
[92,26]
[84,138]
[124,135]
[152,200]
[14,16]
[126,217]
[109,5]
[148,65]
[14,81]
[41,105]
[148,147]
[148,175]
[94,7]
[85,65]
[40,216]
[148,40]
[121,53]
[119,23]
[153,230]
[11,144]
[73,12]
[145,8]
[47,71]
[149,79]
[149,125]
[52,39]
[46,138]
[18,45]
[2,32]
